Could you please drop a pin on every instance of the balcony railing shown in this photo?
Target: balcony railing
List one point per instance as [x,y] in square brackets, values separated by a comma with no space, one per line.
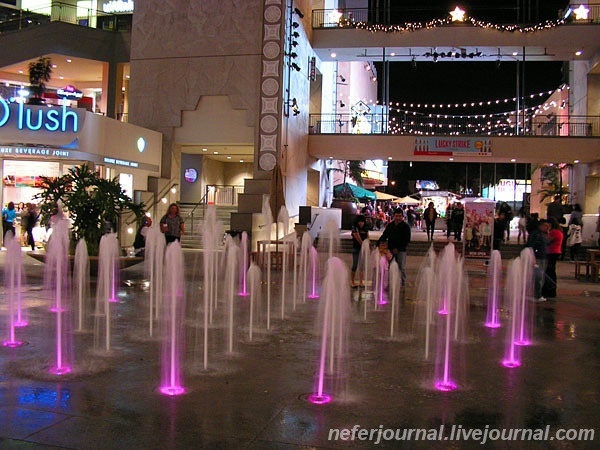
[222,195]
[349,17]
[428,125]
[62,12]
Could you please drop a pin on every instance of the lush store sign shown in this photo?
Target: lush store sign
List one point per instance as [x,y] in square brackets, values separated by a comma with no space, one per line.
[39,124]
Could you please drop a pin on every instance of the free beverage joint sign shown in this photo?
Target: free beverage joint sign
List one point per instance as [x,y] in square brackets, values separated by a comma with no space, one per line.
[452,146]
[53,126]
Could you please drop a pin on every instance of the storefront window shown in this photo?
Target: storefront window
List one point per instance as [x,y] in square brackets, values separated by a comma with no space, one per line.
[22,179]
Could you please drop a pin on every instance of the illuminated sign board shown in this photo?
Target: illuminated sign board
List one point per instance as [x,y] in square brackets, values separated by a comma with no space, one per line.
[69,92]
[118,6]
[50,126]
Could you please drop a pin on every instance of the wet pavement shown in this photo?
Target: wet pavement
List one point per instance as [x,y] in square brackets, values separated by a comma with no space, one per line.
[255,397]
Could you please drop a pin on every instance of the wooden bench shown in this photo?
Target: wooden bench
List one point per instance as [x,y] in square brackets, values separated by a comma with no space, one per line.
[591,270]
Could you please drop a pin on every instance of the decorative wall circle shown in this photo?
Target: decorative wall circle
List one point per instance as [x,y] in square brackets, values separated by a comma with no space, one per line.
[271,50]
[272,14]
[268,124]
[267,161]
[270,86]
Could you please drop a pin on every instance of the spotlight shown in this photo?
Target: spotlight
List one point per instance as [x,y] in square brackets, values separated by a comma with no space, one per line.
[299,13]
[294,43]
[293,55]
[342,104]
[413,62]
[342,79]
[295,24]
[295,66]
[296,34]
[498,62]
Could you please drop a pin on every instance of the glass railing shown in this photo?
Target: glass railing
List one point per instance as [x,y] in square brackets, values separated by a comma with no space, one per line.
[62,12]
[431,125]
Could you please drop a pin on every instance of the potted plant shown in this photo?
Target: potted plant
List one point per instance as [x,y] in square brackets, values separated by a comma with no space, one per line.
[40,73]
[344,197]
[91,201]
[552,183]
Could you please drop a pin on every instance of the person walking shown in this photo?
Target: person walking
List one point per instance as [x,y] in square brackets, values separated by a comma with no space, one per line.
[553,252]
[574,240]
[359,234]
[30,220]
[430,215]
[522,226]
[171,224]
[538,241]
[9,215]
[397,235]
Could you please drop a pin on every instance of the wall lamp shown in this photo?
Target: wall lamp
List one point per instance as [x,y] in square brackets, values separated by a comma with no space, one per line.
[296,34]
[293,55]
[342,104]
[295,24]
[299,13]
[294,43]
[342,79]
[295,66]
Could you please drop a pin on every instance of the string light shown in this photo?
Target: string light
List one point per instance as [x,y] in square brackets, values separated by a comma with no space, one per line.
[465,104]
[416,26]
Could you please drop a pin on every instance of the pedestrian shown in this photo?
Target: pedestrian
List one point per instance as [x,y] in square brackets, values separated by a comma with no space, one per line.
[458,217]
[522,226]
[30,220]
[397,235]
[448,220]
[359,234]
[555,209]
[553,252]
[499,227]
[9,215]
[538,241]
[171,224]
[139,243]
[430,214]
[574,240]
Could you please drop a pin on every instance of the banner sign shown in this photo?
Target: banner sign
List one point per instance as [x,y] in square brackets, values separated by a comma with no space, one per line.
[452,146]
[478,229]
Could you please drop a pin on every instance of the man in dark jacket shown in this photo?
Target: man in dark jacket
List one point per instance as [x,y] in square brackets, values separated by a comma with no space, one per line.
[458,217]
[397,235]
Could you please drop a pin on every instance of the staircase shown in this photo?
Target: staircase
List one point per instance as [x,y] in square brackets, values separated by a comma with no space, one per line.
[193,215]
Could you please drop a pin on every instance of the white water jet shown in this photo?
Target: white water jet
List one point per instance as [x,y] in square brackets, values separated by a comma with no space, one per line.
[231,286]
[254,281]
[57,281]
[81,282]
[394,288]
[108,263]
[244,264]
[305,247]
[13,271]
[153,264]
[494,277]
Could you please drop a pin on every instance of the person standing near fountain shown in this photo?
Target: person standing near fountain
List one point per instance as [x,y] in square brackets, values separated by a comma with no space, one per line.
[139,243]
[359,234]
[397,235]
[430,214]
[538,241]
[553,252]
[171,224]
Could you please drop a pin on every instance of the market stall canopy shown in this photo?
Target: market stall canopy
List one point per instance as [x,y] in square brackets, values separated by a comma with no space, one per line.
[384,196]
[358,192]
[407,201]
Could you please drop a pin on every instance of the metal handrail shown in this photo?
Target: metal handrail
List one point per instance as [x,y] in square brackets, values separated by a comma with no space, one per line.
[440,124]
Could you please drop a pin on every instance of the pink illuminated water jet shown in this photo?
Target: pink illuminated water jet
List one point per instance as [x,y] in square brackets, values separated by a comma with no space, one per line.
[494,276]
